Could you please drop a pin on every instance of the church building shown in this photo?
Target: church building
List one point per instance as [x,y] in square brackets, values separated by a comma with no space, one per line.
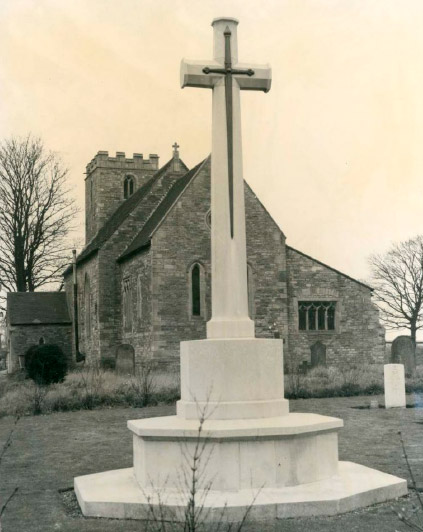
[144,275]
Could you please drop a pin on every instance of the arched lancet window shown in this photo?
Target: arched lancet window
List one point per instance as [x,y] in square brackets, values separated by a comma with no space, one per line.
[128,186]
[87,307]
[250,285]
[197,295]
[41,341]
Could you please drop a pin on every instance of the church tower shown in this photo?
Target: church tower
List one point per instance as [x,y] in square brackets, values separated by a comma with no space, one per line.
[109,182]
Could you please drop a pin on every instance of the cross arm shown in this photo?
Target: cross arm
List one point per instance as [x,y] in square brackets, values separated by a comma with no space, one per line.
[260,81]
[192,74]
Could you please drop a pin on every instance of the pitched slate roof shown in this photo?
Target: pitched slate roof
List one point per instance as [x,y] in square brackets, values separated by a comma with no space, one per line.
[120,215]
[143,237]
[32,308]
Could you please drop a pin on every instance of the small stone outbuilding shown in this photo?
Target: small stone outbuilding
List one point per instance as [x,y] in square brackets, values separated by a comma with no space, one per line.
[35,318]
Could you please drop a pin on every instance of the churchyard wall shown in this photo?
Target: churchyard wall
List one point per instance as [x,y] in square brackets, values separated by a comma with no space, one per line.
[22,337]
[358,337]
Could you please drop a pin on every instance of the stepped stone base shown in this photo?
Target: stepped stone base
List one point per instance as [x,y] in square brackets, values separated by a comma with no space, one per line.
[254,454]
[117,494]
[236,454]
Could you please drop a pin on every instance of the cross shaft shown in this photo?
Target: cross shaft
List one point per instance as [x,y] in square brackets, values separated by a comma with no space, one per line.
[228,72]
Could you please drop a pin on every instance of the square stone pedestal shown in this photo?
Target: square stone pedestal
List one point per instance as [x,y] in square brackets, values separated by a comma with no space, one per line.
[252,448]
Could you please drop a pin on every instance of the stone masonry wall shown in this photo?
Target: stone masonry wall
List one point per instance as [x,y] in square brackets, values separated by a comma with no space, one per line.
[22,337]
[138,271]
[109,272]
[267,258]
[184,238]
[358,338]
[104,185]
[89,341]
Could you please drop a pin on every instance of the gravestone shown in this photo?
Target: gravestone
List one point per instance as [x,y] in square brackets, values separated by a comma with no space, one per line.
[394,380]
[402,352]
[125,360]
[318,355]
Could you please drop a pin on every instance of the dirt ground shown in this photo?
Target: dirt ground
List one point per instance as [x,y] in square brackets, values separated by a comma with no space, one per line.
[47,452]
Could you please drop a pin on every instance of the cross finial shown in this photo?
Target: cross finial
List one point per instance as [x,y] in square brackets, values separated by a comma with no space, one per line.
[175,149]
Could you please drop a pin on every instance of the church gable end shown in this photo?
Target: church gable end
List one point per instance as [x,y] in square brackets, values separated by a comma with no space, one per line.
[334,309]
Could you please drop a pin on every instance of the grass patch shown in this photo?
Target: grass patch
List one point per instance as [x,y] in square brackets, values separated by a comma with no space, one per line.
[92,388]
[87,389]
[334,382]
[47,452]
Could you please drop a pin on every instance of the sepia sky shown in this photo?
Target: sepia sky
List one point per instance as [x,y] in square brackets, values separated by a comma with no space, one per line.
[334,151]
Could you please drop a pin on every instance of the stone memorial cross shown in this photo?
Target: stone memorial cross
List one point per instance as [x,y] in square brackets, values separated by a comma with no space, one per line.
[226,77]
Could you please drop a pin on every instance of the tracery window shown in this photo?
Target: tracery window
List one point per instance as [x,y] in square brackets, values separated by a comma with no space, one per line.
[128,186]
[316,315]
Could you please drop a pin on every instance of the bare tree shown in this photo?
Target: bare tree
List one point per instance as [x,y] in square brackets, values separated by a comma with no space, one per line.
[35,215]
[398,283]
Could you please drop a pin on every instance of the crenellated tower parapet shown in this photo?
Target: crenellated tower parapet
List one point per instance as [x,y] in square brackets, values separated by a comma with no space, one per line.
[120,161]
[110,181]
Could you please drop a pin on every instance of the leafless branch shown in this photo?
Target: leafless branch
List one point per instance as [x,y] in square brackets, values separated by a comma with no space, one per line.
[36,215]
[398,283]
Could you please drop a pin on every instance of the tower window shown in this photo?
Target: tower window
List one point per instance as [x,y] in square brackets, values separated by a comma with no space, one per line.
[128,186]
[316,315]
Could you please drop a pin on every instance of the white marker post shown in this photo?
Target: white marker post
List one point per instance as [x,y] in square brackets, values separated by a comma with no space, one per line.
[394,380]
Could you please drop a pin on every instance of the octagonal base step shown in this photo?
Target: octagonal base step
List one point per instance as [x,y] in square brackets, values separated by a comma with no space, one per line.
[116,494]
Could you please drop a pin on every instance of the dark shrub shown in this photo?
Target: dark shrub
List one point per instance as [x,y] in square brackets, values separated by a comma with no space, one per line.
[29,354]
[46,364]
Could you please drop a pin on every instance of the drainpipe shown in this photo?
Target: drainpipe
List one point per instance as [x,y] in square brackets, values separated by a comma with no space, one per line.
[75,308]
